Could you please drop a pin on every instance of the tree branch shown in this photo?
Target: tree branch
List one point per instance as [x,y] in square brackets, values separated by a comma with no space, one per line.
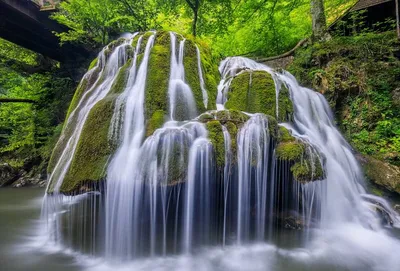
[288,53]
[16,100]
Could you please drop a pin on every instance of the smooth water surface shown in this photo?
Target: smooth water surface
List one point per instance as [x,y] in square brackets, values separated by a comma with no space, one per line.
[22,247]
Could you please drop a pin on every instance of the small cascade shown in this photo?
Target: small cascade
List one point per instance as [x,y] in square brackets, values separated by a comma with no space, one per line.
[199,195]
[123,192]
[253,171]
[174,180]
[78,117]
[182,105]
[201,78]
[227,179]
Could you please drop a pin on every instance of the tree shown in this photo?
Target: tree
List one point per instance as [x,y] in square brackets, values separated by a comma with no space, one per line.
[397,19]
[194,6]
[318,19]
[96,22]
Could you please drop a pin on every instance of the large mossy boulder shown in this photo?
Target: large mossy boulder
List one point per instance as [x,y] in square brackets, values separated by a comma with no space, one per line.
[255,92]
[95,146]
[232,121]
[304,160]
[380,173]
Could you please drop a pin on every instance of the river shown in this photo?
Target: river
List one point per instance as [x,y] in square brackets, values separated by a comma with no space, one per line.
[22,247]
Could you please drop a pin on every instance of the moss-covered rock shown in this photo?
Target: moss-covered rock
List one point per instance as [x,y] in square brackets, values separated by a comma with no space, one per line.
[156,121]
[94,146]
[158,76]
[216,136]
[192,75]
[359,76]
[381,173]
[93,150]
[93,63]
[255,92]
[305,167]
[290,151]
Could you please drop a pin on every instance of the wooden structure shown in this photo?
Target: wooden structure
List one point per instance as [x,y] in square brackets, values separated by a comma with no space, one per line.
[22,22]
[374,14]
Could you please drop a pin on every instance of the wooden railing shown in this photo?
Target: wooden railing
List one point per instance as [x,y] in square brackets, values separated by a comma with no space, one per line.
[46,5]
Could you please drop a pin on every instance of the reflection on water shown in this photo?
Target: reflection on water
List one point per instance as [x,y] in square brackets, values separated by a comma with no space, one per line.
[349,248]
[19,228]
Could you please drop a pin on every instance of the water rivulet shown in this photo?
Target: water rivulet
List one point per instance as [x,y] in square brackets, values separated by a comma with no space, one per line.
[156,158]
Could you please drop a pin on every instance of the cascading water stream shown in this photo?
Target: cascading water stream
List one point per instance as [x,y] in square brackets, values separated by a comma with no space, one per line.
[201,78]
[182,105]
[79,116]
[123,185]
[181,189]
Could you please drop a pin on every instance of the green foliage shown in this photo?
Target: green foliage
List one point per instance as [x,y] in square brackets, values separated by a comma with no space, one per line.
[96,22]
[27,130]
[359,75]
[234,27]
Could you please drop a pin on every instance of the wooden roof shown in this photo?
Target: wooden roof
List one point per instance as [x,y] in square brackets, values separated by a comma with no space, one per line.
[362,4]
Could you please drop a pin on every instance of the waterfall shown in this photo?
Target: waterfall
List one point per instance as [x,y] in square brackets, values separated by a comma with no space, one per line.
[123,192]
[182,105]
[78,117]
[201,78]
[253,160]
[193,181]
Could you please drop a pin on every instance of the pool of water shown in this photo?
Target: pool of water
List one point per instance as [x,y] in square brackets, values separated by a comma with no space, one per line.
[350,248]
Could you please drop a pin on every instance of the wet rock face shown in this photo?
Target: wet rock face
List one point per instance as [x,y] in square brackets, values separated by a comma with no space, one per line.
[22,177]
[7,174]
[381,173]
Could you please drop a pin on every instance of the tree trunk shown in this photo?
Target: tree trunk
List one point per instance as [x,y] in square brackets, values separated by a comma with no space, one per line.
[318,19]
[194,23]
[397,19]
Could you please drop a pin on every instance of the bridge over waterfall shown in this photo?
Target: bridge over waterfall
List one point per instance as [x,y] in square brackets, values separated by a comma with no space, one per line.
[27,24]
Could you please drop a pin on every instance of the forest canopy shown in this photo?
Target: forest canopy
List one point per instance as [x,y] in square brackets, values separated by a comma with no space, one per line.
[234,27]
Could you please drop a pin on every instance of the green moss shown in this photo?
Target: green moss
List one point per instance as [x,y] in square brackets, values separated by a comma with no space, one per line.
[192,74]
[155,122]
[205,117]
[93,149]
[382,174]
[303,172]
[112,45]
[216,136]
[158,76]
[284,135]
[359,76]
[231,115]
[93,63]
[232,130]
[254,92]
[120,81]
[290,151]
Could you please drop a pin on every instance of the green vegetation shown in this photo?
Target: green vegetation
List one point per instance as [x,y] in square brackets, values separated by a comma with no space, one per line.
[28,131]
[305,167]
[93,150]
[360,78]
[216,136]
[158,76]
[234,27]
[254,92]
